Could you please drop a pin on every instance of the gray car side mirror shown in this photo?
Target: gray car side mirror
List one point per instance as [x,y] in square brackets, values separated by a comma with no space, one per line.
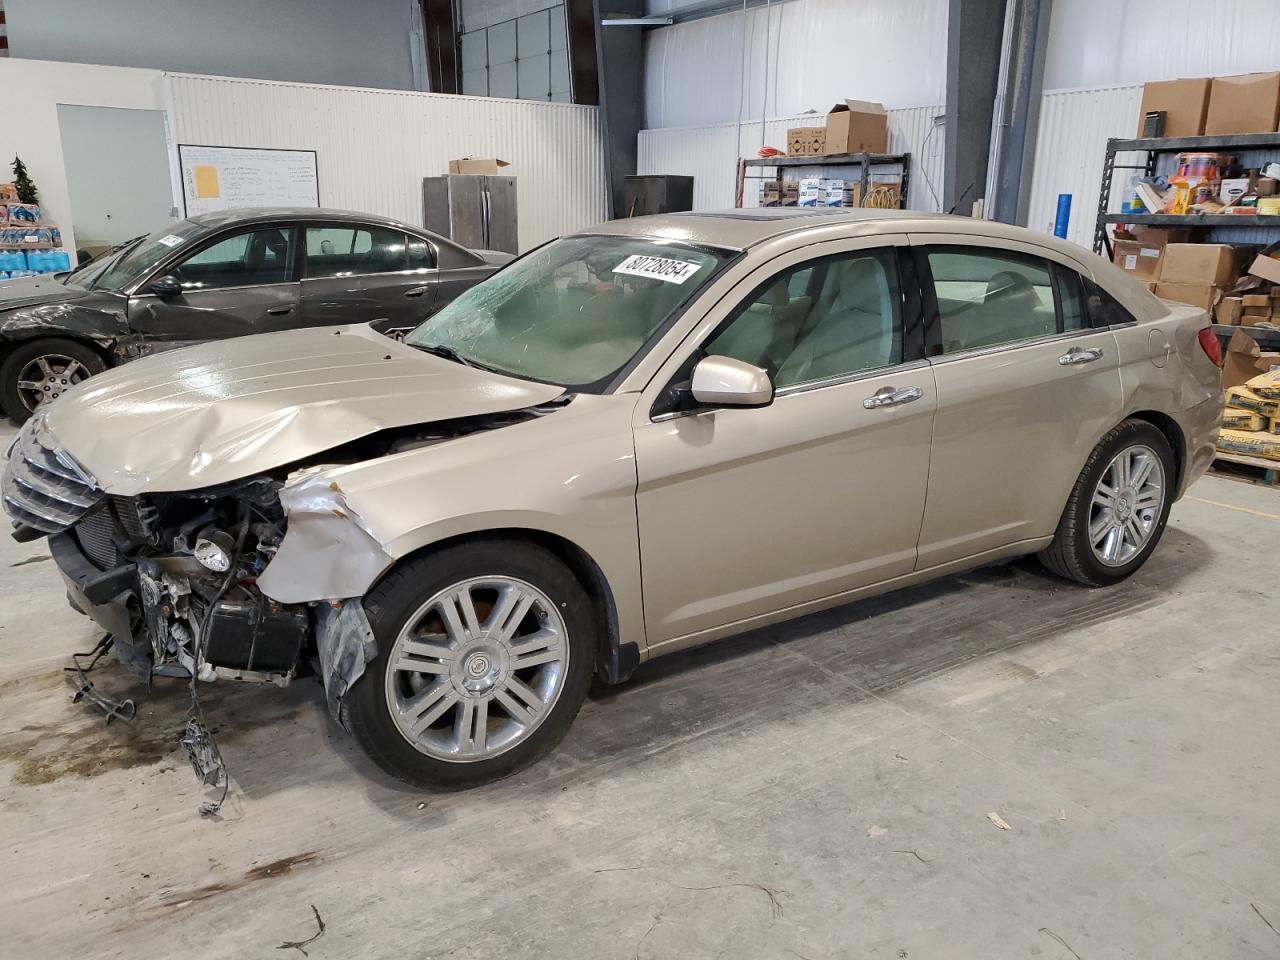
[165,287]
[726,382]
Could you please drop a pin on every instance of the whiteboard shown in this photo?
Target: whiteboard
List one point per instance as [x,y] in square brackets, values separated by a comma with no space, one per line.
[220,178]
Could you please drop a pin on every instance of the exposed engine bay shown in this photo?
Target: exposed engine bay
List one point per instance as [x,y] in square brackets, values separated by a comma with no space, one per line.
[174,576]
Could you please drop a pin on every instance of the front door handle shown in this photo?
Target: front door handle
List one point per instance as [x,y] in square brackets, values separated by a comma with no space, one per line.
[416,291]
[1078,355]
[279,311]
[892,397]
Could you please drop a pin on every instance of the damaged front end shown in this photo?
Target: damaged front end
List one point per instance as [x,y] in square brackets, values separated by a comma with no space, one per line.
[257,579]
[173,577]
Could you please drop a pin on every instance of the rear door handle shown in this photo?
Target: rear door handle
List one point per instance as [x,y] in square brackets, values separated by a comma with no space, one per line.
[892,397]
[1078,355]
[416,291]
[279,311]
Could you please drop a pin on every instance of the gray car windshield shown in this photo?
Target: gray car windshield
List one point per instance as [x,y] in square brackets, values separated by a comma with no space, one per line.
[573,312]
[136,259]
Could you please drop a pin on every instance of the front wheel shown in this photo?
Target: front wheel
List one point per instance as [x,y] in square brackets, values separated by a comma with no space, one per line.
[1118,508]
[485,654]
[40,371]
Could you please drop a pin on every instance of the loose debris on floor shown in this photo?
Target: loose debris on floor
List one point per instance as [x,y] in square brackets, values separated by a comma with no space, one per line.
[300,944]
[998,820]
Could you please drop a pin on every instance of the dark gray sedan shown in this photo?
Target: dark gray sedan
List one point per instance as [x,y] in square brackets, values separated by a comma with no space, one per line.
[222,275]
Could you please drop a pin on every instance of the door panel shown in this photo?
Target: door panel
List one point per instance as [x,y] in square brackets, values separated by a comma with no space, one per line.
[1022,400]
[744,512]
[237,284]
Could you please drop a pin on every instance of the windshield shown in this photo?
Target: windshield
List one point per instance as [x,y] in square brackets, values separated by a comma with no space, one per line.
[135,259]
[573,312]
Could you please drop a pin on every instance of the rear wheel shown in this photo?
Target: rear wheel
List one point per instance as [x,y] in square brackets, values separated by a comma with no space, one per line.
[485,653]
[1118,508]
[40,371]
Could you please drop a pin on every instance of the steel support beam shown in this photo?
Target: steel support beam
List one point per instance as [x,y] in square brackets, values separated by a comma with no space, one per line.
[619,62]
[440,33]
[974,36]
[1024,85]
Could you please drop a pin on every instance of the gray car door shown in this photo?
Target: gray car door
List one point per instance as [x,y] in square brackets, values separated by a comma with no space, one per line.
[233,284]
[357,273]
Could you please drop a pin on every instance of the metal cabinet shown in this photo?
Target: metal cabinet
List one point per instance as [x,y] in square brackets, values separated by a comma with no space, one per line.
[478,212]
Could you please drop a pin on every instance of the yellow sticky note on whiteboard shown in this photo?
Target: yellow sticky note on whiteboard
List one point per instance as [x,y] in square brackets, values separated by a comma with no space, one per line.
[206,182]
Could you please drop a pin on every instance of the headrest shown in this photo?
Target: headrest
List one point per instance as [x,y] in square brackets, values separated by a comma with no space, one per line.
[860,286]
[1009,285]
[775,295]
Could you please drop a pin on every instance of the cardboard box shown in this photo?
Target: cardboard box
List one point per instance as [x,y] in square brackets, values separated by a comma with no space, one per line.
[1137,259]
[1150,285]
[1228,311]
[1257,300]
[1200,295]
[1185,103]
[1260,320]
[1245,360]
[1198,263]
[479,166]
[1267,264]
[857,126]
[806,141]
[1153,236]
[1244,104]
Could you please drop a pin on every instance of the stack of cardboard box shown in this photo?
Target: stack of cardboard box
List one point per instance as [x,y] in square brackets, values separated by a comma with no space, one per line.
[1198,273]
[1254,300]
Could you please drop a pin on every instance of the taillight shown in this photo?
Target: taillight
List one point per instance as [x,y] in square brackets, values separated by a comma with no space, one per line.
[1211,345]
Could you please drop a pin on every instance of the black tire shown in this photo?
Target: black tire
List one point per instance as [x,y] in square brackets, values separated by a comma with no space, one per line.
[1070,555]
[389,605]
[21,355]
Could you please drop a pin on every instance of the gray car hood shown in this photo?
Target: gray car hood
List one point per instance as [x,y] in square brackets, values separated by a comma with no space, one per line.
[29,291]
[206,415]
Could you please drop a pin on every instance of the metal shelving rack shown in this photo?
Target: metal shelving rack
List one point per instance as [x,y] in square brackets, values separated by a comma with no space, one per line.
[1155,146]
[864,161]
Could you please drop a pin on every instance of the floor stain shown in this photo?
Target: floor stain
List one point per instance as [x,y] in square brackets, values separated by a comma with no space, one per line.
[265,871]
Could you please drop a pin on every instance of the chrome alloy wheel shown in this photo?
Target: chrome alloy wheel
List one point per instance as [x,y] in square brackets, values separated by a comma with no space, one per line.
[47,377]
[477,668]
[1126,505]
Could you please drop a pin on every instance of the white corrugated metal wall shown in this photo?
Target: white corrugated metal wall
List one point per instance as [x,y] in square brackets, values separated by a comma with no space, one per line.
[1074,128]
[373,147]
[710,154]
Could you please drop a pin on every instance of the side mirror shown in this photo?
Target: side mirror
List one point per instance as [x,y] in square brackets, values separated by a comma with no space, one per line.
[165,287]
[726,382]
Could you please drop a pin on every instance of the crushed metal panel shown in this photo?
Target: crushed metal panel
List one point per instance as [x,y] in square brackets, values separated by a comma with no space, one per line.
[327,551]
[346,645]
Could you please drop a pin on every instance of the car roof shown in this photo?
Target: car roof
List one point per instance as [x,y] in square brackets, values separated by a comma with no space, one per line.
[740,229]
[224,218]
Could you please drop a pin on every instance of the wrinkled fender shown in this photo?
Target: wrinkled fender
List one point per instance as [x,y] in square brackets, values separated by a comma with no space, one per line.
[570,474]
[104,324]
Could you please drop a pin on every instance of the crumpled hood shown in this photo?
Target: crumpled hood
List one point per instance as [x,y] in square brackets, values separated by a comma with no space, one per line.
[206,415]
[32,291]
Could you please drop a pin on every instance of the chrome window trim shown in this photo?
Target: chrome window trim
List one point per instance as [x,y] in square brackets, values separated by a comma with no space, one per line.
[1016,345]
[807,387]
[416,271]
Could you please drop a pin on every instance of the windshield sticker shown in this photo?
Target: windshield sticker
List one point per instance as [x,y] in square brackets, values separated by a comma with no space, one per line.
[170,241]
[657,268]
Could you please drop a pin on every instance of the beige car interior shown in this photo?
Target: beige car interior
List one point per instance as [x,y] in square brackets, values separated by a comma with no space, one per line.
[850,324]
[1009,307]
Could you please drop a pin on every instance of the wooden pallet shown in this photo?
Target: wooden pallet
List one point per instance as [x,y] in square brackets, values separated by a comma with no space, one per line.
[1237,466]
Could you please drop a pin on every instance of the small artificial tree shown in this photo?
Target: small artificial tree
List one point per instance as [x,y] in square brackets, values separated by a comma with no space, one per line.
[27,192]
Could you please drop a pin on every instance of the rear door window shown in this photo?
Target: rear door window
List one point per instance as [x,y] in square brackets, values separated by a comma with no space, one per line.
[354,250]
[987,298]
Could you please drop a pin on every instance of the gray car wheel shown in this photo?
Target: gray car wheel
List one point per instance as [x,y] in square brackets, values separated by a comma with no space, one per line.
[40,371]
[485,653]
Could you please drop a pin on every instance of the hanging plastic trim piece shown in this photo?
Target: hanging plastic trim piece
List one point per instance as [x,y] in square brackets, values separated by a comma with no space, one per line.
[346,645]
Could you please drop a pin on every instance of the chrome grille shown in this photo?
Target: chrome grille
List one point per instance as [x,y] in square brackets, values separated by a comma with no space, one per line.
[96,535]
[42,488]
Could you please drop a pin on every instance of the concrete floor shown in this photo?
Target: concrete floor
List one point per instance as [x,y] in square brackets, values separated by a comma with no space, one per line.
[818,791]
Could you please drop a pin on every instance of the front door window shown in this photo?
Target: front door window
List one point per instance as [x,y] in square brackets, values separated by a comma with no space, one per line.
[251,258]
